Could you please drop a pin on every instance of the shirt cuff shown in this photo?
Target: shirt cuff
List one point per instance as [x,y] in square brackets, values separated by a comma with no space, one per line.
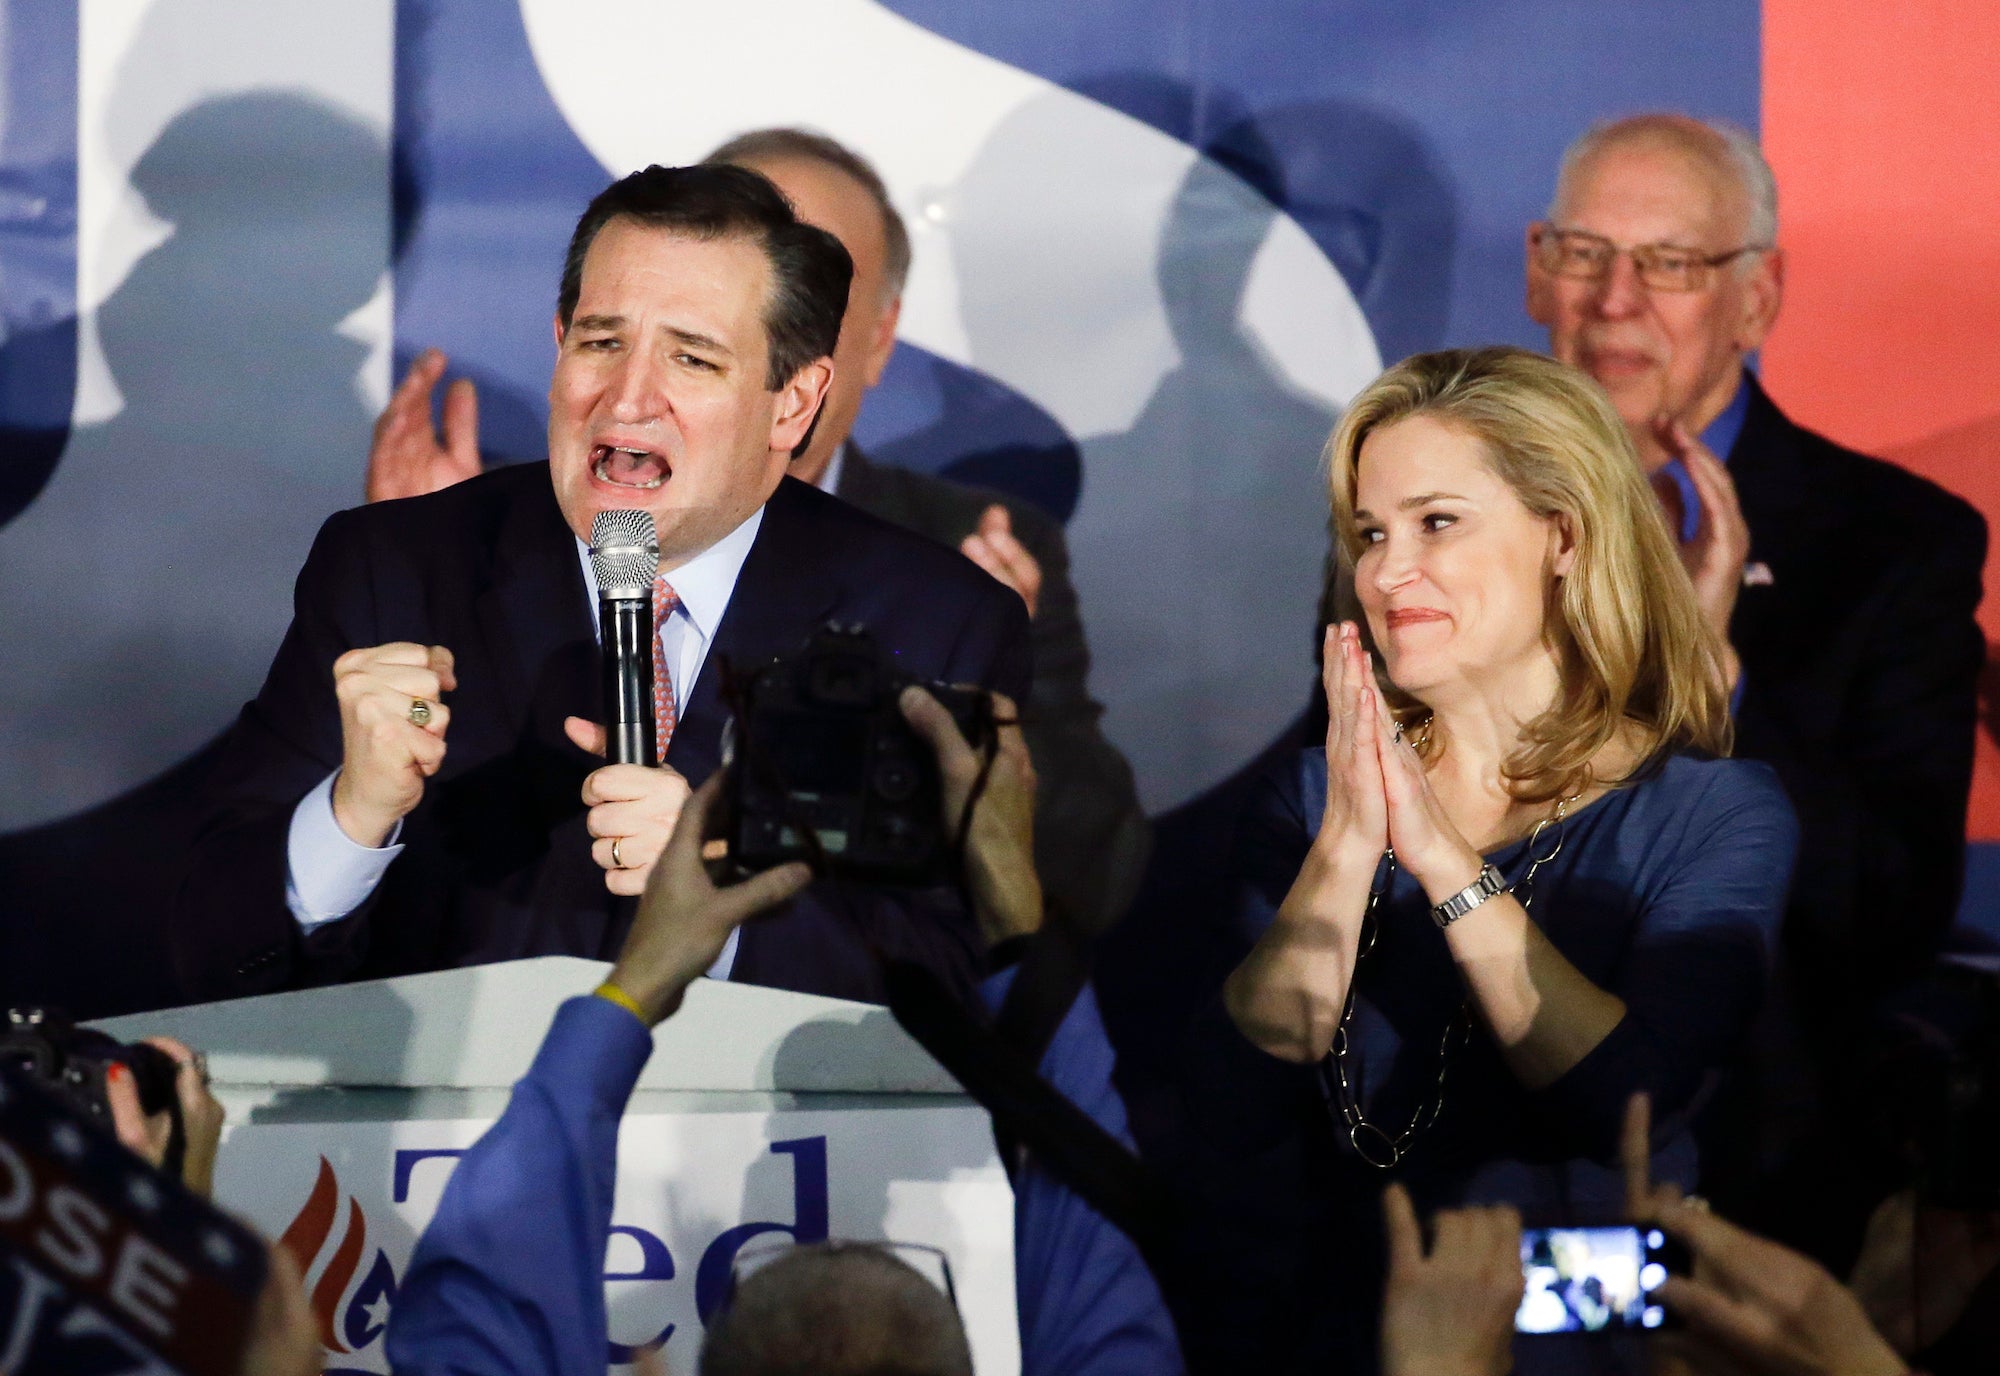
[327,874]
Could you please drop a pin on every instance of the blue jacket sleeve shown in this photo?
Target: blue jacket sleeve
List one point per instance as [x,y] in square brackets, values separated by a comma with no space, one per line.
[509,1276]
[1088,1305]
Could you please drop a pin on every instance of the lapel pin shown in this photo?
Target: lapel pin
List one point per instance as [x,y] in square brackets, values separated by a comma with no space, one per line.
[1757,574]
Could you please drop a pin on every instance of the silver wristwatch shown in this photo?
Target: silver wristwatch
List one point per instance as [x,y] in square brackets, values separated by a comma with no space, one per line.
[1466,899]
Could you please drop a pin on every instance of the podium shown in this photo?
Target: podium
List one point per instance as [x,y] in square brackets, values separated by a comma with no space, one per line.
[762,1114]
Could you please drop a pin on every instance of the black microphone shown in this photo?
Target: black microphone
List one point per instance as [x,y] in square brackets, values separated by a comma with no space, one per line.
[625,556]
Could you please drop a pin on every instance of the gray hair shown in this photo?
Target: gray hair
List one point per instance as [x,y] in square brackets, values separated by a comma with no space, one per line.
[837,1309]
[806,145]
[1724,145]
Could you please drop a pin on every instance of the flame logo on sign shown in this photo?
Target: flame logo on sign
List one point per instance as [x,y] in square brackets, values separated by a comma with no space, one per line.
[307,1234]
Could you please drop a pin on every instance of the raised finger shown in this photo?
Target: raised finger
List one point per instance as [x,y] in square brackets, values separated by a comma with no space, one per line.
[691,827]
[413,392]
[461,422]
[981,552]
[1011,552]
[1635,1154]
[1406,1236]
[1454,1234]
[739,902]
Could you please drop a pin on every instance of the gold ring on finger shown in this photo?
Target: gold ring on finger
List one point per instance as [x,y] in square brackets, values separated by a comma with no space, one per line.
[420,712]
[616,863]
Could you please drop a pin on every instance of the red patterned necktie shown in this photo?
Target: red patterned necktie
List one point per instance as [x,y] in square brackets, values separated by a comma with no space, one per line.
[665,713]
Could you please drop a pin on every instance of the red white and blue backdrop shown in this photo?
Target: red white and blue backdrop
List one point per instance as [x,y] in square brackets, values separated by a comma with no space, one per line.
[1157,246]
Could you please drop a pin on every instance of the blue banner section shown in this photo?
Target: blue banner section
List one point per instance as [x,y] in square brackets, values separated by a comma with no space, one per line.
[1414,143]
[37,244]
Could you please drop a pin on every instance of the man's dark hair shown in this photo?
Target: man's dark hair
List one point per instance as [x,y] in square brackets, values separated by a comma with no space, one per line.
[810,271]
[837,1309]
[769,145]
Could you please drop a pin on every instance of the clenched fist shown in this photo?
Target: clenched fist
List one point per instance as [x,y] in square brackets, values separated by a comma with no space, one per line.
[388,748]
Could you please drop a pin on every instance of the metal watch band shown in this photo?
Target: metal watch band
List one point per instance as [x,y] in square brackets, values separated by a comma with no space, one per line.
[1466,899]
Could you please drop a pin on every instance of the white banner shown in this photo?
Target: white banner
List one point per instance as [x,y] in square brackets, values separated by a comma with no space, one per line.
[694,1189]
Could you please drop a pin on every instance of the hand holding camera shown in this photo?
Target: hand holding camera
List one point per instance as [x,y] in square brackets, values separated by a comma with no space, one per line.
[992,807]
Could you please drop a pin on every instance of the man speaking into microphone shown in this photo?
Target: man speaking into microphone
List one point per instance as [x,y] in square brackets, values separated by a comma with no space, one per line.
[419,783]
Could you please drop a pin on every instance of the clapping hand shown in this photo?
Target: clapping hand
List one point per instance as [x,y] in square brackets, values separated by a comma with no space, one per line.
[405,458]
[993,547]
[1355,826]
[1715,556]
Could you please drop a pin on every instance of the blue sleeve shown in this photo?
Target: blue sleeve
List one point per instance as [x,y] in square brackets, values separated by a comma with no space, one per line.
[509,1276]
[1694,974]
[1088,1305]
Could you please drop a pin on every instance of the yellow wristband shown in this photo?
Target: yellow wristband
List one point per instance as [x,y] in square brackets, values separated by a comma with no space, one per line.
[611,993]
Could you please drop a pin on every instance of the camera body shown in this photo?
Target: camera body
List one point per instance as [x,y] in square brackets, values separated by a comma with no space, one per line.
[72,1061]
[822,766]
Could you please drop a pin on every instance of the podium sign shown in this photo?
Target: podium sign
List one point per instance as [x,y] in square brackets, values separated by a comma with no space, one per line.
[762,1116]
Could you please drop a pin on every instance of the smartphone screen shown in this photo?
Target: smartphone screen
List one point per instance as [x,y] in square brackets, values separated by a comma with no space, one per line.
[1593,1280]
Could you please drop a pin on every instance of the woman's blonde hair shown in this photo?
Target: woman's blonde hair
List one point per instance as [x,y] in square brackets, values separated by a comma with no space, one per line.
[1629,637]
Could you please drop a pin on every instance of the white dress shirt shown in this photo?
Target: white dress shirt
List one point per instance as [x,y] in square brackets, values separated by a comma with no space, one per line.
[329,875]
[828,480]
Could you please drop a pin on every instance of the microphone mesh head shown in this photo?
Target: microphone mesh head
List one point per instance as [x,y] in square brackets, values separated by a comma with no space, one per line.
[624,552]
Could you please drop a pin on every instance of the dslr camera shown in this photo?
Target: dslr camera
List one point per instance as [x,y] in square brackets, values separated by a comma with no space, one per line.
[822,767]
[45,1046]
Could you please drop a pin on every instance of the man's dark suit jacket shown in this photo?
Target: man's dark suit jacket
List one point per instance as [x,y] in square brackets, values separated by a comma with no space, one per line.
[1861,661]
[1091,838]
[497,862]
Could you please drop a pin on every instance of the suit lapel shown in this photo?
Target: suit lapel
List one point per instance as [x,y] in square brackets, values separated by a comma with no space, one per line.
[1774,488]
[787,587]
[535,613]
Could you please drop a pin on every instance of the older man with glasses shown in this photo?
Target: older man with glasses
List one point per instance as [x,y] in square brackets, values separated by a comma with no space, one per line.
[1845,586]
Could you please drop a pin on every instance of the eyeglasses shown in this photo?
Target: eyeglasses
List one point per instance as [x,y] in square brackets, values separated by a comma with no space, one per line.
[1661,267]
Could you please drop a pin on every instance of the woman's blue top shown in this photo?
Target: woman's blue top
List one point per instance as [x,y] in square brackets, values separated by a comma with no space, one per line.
[1666,891]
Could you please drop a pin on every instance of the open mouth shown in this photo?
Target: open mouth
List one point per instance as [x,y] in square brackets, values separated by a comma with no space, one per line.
[639,469]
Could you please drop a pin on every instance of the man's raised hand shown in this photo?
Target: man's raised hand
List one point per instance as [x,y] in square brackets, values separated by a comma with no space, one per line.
[633,810]
[994,548]
[388,746]
[1450,1312]
[1000,846]
[405,458]
[1715,556]
[684,919]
